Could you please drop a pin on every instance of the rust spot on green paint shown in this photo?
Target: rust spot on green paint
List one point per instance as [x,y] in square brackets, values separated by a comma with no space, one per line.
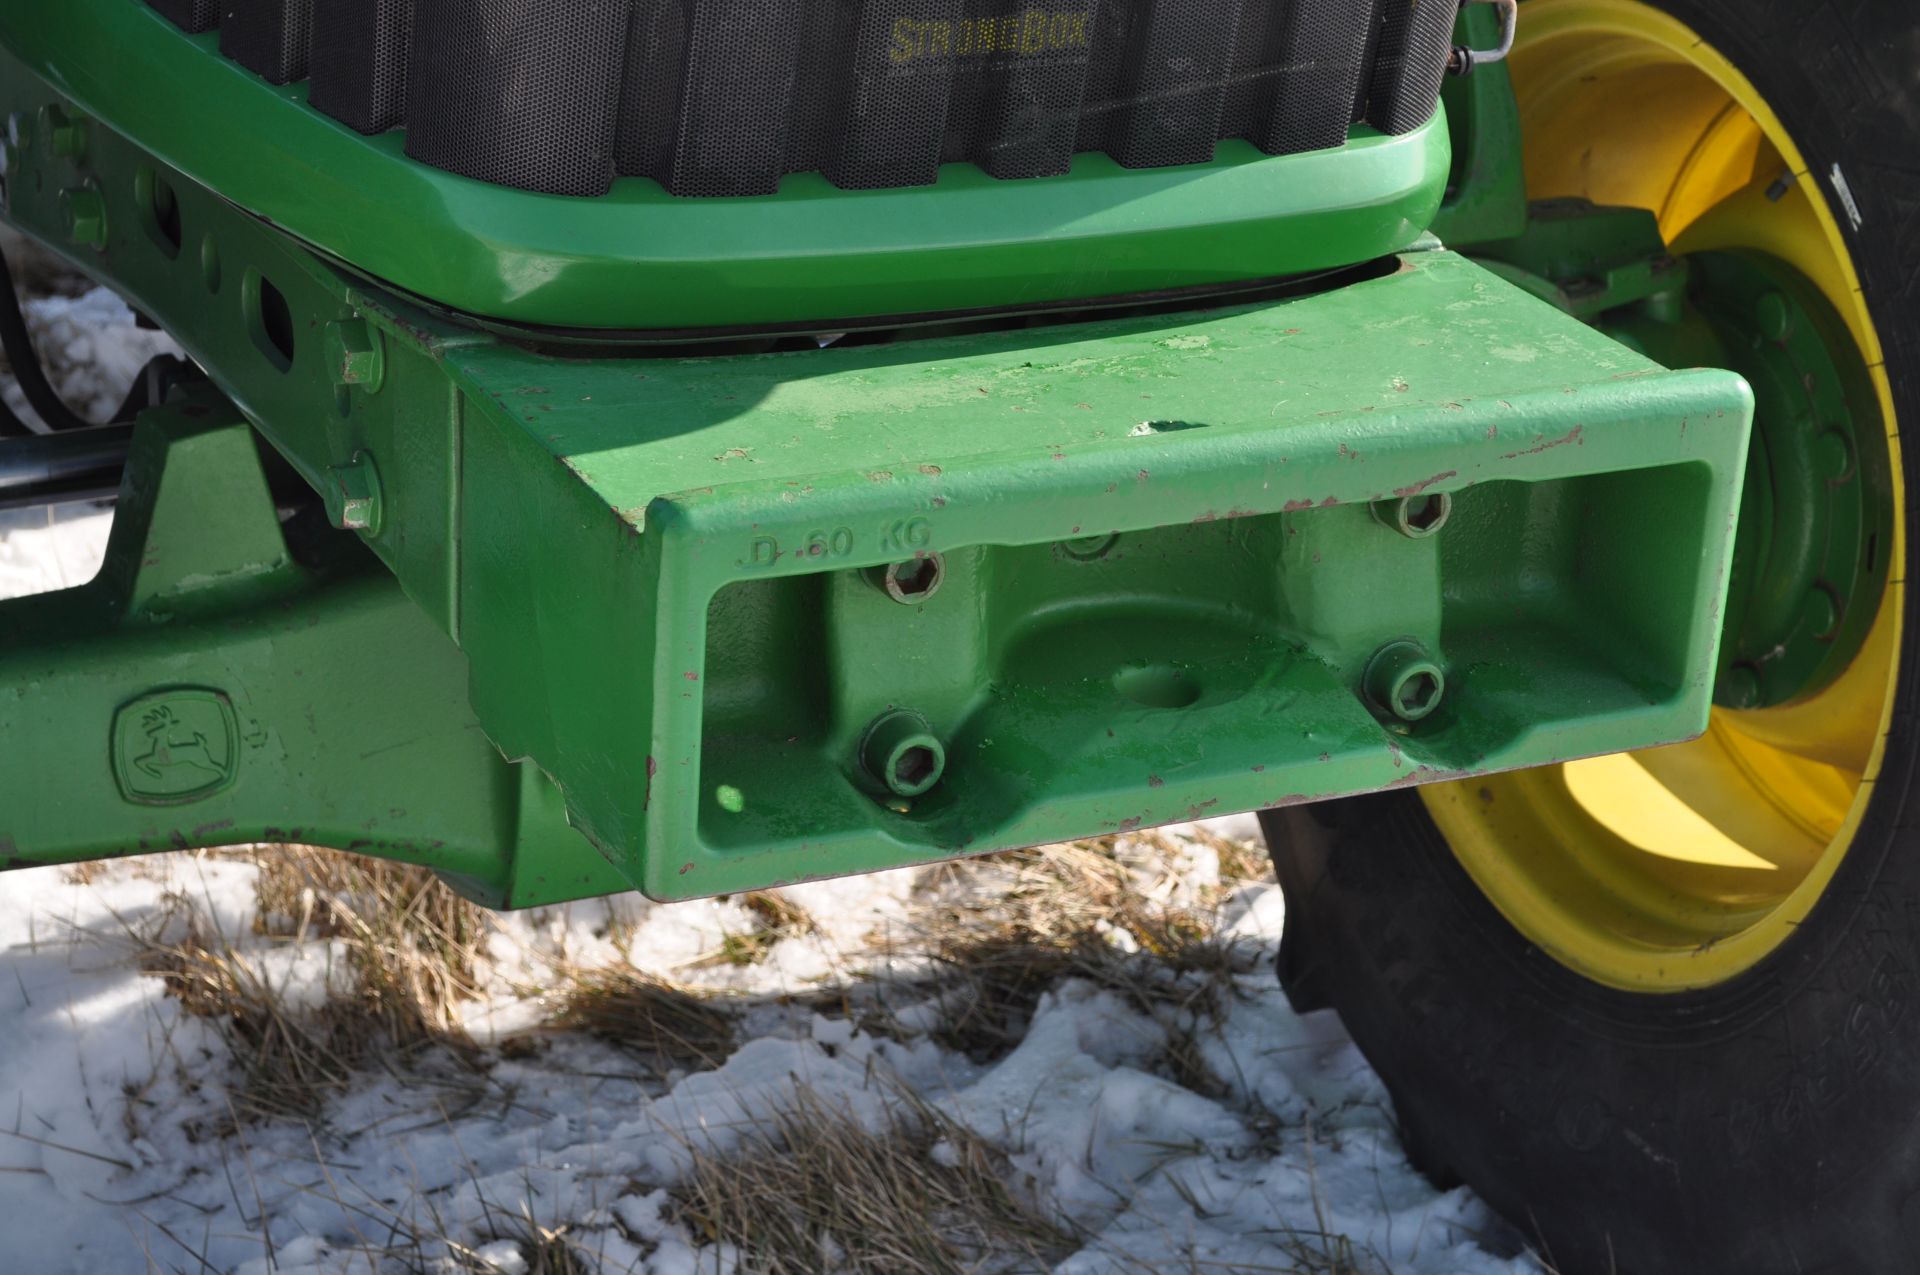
[1422,485]
[1571,436]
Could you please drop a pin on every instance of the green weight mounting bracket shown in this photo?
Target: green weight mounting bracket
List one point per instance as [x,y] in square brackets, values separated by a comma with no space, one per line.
[699,624]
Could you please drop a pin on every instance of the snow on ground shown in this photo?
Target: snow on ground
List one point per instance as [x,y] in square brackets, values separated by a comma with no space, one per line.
[89,341]
[92,349]
[1159,1115]
[116,1140]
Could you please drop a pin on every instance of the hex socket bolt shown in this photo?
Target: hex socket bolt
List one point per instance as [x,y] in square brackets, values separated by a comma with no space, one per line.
[915,581]
[902,752]
[1415,517]
[1402,682]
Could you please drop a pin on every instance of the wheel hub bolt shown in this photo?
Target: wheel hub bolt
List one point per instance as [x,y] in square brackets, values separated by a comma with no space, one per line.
[1822,614]
[1739,687]
[1836,455]
[1773,317]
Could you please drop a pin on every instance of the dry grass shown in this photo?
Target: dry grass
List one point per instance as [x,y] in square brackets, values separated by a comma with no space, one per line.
[815,1191]
[545,1250]
[413,943]
[1006,929]
[289,1060]
[775,917]
[653,1019]
[409,947]
[87,872]
[550,1253]
[988,939]
[811,1191]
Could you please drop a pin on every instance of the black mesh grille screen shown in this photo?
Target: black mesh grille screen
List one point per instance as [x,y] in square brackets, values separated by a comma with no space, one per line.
[271,38]
[193,16]
[359,64]
[726,97]
[1412,59]
[517,92]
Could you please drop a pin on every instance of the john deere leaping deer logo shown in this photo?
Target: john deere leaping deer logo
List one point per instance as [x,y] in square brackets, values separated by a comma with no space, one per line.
[174,746]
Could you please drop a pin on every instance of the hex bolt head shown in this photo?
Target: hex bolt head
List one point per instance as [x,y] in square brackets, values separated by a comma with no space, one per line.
[1402,682]
[65,135]
[352,493]
[85,214]
[356,354]
[1415,517]
[1090,548]
[901,751]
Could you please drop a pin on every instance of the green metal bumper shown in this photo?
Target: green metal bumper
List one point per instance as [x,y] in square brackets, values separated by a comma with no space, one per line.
[1167,577]
[1165,590]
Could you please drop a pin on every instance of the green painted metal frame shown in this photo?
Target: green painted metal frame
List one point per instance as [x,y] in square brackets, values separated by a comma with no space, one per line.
[639,259]
[227,679]
[1188,563]
[1168,576]
[1486,197]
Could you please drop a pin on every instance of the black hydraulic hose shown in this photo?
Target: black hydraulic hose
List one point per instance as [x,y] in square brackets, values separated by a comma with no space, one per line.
[44,399]
[12,426]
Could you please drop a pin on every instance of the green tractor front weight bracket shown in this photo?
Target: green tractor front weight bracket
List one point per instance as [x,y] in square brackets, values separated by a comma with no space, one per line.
[699,623]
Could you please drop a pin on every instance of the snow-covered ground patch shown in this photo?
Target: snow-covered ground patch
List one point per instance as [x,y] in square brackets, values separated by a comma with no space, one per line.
[1074,1060]
[1145,1111]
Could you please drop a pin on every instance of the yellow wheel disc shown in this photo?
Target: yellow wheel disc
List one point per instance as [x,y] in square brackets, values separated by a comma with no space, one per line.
[1682,867]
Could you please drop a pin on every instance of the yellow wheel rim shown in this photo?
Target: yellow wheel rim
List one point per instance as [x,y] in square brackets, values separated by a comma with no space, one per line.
[1682,867]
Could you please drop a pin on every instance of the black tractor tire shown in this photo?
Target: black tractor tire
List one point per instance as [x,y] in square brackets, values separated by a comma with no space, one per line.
[1767,1124]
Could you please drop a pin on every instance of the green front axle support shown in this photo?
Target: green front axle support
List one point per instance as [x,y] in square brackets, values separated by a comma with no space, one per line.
[739,620]
[228,679]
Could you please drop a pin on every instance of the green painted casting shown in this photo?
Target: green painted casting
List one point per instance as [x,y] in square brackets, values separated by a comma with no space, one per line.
[229,680]
[641,259]
[1486,196]
[1587,259]
[1161,577]
[1811,560]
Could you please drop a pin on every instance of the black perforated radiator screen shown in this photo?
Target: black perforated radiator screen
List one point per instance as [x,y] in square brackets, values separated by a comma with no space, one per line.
[725,97]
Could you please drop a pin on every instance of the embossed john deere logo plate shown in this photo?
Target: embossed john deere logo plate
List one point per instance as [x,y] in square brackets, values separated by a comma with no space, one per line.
[175,746]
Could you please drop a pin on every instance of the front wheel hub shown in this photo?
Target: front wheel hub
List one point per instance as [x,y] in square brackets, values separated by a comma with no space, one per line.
[1810,561]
